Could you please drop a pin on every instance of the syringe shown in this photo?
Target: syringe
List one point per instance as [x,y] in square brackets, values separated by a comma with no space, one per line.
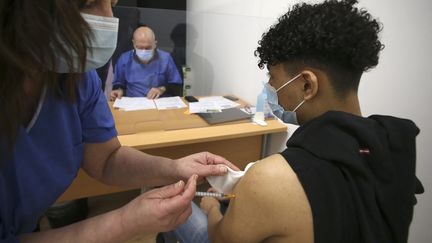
[214,194]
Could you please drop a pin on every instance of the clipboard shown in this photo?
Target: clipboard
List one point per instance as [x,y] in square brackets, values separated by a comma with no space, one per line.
[227,115]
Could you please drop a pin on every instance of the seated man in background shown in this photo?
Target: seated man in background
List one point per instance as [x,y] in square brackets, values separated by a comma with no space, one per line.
[343,177]
[144,71]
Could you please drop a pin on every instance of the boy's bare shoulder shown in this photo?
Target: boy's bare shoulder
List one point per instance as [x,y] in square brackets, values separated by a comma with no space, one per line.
[272,184]
[271,168]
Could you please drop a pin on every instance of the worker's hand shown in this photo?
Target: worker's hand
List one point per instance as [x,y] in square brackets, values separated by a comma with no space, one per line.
[207,203]
[161,209]
[116,94]
[154,93]
[203,164]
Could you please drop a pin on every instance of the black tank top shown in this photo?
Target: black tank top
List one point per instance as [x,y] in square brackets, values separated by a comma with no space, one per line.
[333,211]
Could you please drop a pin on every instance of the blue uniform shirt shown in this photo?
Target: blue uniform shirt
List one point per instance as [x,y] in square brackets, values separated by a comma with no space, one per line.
[138,78]
[48,154]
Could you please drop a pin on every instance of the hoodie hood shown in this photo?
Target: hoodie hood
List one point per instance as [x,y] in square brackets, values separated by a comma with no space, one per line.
[377,155]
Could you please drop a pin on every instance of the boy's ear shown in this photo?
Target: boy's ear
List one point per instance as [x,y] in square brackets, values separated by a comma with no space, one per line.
[310,84]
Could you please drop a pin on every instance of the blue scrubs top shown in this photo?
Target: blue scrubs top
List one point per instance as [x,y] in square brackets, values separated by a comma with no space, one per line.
[138,78]
[48,153]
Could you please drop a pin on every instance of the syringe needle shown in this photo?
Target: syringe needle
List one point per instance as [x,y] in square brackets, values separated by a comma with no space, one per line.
[214,194]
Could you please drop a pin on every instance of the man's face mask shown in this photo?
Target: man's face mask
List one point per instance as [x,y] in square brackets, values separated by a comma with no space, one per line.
[101,46]
[272,99]
[144,55]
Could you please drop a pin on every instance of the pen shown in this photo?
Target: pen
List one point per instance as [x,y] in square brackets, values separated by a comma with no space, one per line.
[214,194]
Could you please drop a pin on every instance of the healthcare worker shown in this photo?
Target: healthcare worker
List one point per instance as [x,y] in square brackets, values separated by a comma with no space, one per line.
[144,71]
[56,120]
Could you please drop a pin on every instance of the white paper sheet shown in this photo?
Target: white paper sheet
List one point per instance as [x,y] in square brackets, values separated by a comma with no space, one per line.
[220,101]
[169,103]
[204,107]
[134,103]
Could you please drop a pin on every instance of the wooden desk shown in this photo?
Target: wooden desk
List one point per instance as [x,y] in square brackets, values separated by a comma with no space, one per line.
[240,143]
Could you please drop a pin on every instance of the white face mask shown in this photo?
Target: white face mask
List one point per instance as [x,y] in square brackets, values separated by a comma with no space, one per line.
[102,44]
[278,110]
[144,55]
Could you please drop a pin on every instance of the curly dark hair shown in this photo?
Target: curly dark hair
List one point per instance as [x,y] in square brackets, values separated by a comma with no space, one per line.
[333,36]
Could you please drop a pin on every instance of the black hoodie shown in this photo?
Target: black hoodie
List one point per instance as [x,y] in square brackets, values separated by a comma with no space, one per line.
[358,174]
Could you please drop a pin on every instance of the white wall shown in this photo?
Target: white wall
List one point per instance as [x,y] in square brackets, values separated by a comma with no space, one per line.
[224,35]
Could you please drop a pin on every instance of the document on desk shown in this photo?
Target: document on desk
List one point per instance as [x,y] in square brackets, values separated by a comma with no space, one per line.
[211,104]
[220,101]
[169,103]
[204,107]
[134,103]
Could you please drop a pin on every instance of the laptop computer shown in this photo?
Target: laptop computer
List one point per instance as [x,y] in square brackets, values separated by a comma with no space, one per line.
[227,115]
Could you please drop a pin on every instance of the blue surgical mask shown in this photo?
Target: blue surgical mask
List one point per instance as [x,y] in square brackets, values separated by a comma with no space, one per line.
[101,46]
[279,111]
[144,55]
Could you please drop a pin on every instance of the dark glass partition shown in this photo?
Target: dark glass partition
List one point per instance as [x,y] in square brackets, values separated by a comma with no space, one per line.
[166,18]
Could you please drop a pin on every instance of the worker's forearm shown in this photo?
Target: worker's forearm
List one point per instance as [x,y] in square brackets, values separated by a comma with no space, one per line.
[103,228]
[130,167]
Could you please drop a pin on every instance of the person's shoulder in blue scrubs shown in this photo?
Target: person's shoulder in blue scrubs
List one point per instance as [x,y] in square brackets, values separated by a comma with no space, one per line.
[48,153]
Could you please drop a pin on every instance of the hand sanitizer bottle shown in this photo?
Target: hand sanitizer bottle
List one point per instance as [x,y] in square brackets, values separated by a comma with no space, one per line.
[261,108]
